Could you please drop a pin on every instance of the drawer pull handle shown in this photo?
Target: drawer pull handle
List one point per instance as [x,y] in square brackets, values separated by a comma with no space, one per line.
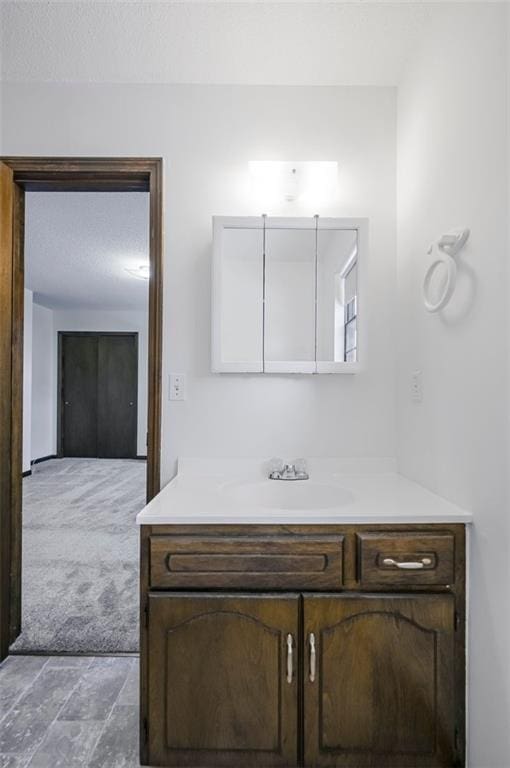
[290,664]
[313,657]
[409,565]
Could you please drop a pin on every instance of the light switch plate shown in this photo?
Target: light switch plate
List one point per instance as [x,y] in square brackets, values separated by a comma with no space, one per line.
[177,388]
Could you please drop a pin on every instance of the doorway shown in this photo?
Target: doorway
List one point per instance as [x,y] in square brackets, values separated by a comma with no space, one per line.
[18,176]
[98,395]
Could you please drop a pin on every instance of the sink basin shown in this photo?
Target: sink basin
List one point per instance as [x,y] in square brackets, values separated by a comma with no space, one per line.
[288,494]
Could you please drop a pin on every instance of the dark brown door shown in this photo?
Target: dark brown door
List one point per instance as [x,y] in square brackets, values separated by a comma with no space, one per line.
[219,686]
[117,396]
[382,696]
[79,392]
[99,395]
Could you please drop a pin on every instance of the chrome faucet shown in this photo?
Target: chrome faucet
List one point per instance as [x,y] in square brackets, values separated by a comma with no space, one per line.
[279,470]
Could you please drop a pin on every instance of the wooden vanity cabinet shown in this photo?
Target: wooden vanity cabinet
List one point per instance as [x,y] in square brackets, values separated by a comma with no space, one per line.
[220,690]
[383,694]
[367,674]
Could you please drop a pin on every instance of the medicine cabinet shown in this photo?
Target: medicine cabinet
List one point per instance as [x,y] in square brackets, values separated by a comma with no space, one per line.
[287,294]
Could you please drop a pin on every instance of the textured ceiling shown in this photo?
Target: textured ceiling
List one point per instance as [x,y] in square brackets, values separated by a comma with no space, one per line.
[77,245]
[296,43]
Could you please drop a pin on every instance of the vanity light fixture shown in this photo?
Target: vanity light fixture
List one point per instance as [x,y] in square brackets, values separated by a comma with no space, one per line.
[141,273]
[309,182]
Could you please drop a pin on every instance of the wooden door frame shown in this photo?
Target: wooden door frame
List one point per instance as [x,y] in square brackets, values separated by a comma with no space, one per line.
[59,174]
[60,381]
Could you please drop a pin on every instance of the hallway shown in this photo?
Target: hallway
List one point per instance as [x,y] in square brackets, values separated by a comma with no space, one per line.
[80,556]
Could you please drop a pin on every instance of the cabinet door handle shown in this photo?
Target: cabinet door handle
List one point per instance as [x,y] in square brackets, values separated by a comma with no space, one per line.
[409,565]
[290,663]
[313,657]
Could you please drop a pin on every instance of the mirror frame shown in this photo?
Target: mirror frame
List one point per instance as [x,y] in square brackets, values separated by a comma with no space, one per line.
[220,224]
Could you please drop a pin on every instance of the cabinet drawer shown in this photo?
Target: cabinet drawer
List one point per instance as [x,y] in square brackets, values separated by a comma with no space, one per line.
[270,562]
[406,559]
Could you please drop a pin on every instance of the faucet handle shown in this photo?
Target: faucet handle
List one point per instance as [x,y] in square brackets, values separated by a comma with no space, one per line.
[276,465]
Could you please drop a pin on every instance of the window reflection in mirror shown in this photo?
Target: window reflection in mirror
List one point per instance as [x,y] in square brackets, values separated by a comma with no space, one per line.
[337,287]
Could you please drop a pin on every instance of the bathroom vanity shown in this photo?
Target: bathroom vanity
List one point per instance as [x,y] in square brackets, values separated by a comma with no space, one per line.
[274,634]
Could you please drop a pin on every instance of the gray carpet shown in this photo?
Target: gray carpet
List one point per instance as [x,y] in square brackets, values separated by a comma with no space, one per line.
[80,556]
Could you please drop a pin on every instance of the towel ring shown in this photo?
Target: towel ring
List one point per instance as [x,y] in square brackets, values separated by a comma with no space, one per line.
[448,247]
[451,278]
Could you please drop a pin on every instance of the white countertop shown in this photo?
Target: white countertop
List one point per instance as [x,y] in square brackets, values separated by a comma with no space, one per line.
[237,491]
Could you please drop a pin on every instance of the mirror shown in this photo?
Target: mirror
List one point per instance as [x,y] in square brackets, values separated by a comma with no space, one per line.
[337,294]
[240,305]
[286,294]
[289,327]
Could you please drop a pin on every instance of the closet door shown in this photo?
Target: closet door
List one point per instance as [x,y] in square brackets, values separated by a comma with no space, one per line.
[99,395]
[79,395]
[117,387]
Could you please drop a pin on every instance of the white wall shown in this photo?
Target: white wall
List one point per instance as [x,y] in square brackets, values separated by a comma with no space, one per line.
[27,379]
[104,320]
[207,135]
[44,384]
[452,171]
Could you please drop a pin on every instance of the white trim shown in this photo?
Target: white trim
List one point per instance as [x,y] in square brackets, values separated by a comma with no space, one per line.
[468,635]
[243,366]
[350,263]
[290,222]
[216,362]
[238,222]
[290,366]
[330,366]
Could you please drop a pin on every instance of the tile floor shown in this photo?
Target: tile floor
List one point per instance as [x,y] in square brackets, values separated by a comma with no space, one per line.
[69,712]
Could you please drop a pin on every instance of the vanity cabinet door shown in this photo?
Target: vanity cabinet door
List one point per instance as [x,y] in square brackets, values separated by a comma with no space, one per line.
[222,680]
[383,690]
